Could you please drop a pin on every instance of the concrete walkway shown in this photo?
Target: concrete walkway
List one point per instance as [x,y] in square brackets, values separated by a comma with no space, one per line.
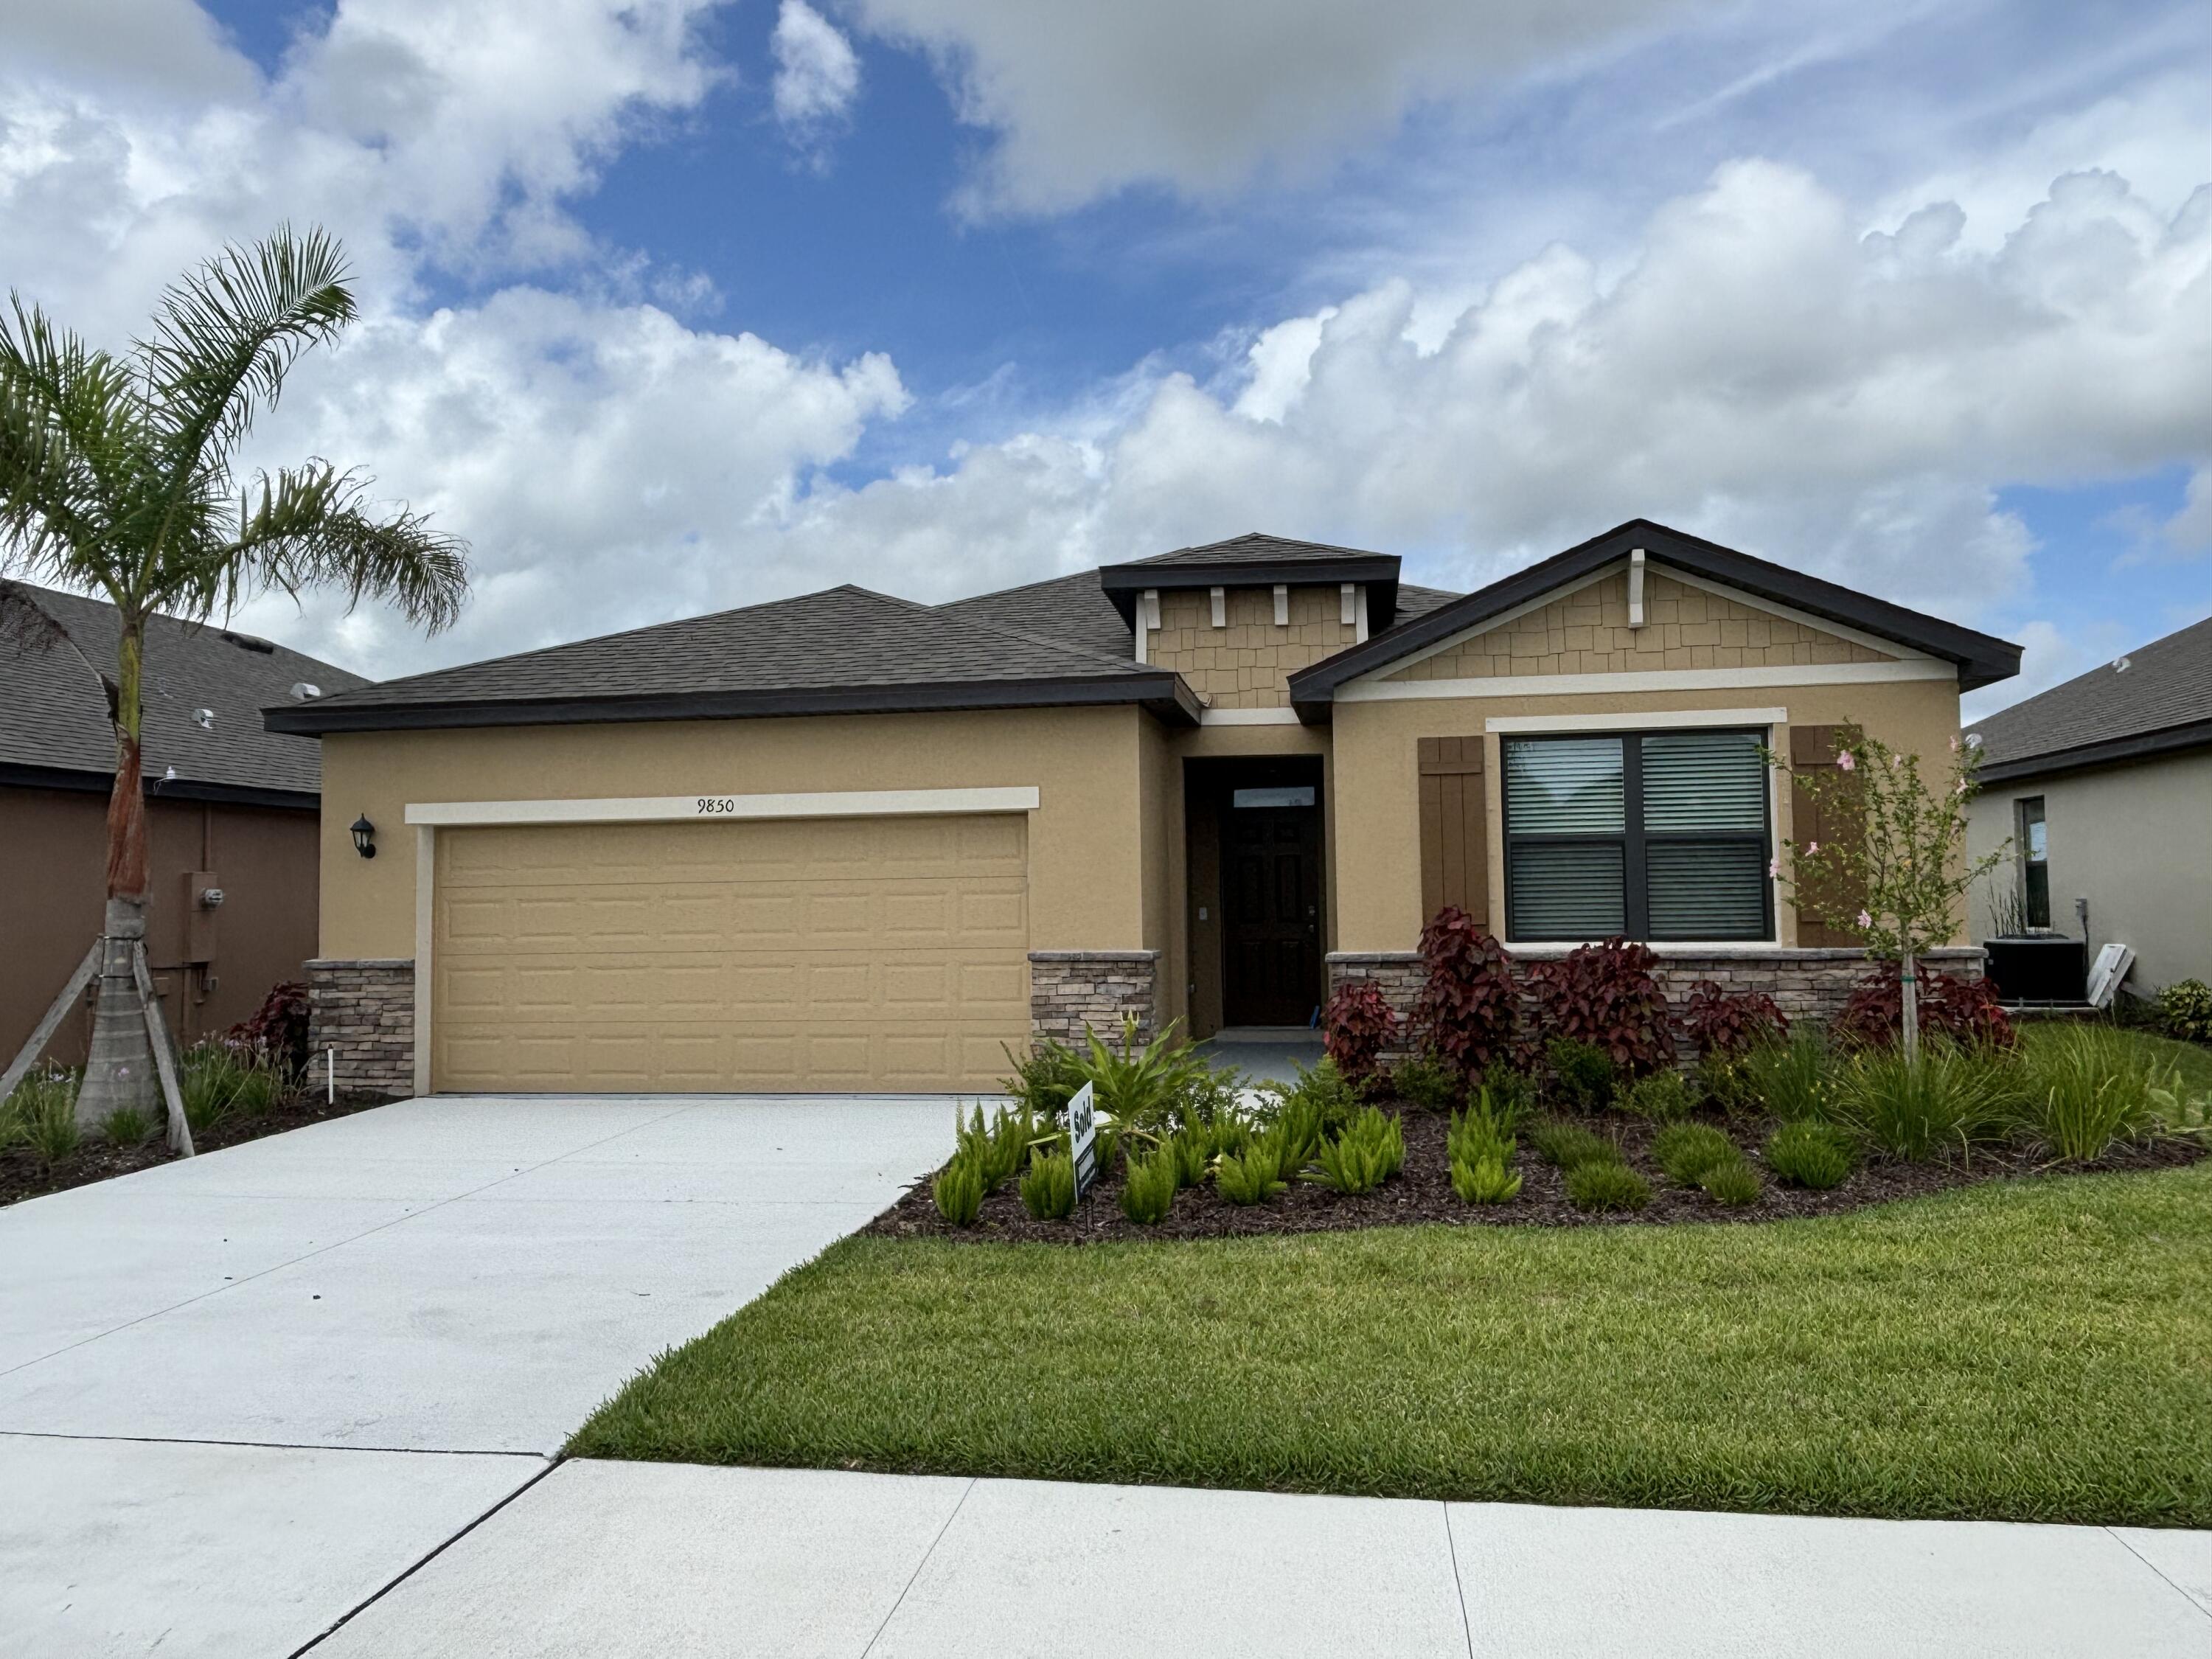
[240,1394]
[603,1559]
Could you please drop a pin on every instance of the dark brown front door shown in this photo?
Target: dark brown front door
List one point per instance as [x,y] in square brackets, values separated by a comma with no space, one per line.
[1270,906]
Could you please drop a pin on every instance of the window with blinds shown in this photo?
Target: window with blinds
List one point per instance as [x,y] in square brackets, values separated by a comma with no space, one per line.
[1652,835]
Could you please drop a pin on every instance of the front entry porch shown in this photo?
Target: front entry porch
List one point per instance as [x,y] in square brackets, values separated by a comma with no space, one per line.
[1255,833]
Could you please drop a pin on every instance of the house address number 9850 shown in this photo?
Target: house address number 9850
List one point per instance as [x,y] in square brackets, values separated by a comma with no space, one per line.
[717,806]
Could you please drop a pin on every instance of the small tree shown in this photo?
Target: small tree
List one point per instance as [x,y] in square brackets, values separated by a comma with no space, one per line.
[1903,855]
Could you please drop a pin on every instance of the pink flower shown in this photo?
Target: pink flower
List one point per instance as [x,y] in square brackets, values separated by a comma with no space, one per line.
[1865,921]
[1955,745]
[1844,761]
[1813,847]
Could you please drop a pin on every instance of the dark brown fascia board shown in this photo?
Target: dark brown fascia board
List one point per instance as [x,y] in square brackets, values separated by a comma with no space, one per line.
[15,776]
[2142,745]
[1982,659]
[1377,572]
[1161,692]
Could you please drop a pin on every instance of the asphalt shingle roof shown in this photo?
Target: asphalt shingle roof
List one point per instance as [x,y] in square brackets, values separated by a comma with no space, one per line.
[2166,683]
[838,639]
[56,711]
[1257,547]
[1072,608]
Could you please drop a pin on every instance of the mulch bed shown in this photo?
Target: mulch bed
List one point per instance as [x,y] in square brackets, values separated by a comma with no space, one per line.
[1421,1193]
[24,1174]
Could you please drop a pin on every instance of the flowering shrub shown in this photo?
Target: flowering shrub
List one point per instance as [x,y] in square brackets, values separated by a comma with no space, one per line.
[2184,1010]
[1722,1022]
[1604,995]
[1468,1006]
[1964,1010]
[276,1033]
[1357,1026]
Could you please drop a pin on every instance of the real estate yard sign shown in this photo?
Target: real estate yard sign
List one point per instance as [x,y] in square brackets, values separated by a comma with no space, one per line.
[1083,1137]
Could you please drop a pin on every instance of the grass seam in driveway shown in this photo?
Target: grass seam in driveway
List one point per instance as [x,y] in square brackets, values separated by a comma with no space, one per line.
[2037,1350]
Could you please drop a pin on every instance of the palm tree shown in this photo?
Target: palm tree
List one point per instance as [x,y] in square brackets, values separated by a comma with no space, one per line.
[116,478]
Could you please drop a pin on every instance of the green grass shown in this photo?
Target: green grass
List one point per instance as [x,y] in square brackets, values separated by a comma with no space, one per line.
[2033,1351]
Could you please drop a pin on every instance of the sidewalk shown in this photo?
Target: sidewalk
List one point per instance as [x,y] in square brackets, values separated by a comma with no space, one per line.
[669,1560]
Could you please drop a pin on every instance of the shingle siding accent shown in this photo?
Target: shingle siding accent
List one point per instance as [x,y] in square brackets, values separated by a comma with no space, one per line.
[1805,985]
[1070,990]
[364,1009]
[1247,663]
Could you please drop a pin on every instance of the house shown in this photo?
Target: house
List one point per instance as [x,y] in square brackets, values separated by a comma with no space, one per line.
[845,841]
[2103,787]
[231,809]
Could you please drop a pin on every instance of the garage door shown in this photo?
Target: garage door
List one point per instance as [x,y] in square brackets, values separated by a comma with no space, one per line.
[883,953]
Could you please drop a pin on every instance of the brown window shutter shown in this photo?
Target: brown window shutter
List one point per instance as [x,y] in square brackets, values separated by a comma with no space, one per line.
[1455,828]
[1813,749]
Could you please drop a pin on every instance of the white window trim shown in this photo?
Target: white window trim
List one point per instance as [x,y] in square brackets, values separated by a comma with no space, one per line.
[1777,722]
[1658,720]
[1653,679]
[709,806]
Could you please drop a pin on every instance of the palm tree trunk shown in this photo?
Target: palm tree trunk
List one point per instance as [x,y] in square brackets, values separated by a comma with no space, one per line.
[119,1072]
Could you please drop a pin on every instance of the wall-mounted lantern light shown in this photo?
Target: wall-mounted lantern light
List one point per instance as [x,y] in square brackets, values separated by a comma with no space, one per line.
[364,836]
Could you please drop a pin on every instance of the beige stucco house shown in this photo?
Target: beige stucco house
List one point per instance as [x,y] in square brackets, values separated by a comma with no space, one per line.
[845,841]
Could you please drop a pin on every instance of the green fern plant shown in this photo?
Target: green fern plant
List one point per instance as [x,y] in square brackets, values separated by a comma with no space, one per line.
[1482,1130]
[1048,1186]
[958,1191]
[1149,1192]
[1253,1177]
[1484,1180]
[1370,1150]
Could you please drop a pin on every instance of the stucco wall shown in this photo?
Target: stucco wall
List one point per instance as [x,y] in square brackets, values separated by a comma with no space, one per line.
[1086,838]
[1587,632]
[1377,861]
[1247,663]
[2134,841]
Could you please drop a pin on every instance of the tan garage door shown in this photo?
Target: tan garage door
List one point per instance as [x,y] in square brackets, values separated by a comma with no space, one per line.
[851,953]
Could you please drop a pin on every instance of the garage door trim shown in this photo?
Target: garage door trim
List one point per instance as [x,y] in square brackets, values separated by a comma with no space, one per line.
[427,817]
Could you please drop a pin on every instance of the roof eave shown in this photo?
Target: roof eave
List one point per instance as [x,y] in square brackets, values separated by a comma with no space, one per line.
[1376,572]
[1158,690]
[2141,746]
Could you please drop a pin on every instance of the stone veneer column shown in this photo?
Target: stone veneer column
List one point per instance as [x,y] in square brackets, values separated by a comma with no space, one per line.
[1070,989]
[364,1009]
[1806,984]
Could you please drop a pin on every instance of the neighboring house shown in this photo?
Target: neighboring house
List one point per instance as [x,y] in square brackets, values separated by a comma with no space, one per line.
[230,806]
[846,841]
[2103,786]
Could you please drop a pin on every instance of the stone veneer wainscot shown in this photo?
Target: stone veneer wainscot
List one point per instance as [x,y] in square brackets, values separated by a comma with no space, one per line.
[1070,989]
[364,1008]
[1806,984]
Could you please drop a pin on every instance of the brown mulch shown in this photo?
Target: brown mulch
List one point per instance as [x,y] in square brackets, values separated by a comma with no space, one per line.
[24,1174]
[1421,1193]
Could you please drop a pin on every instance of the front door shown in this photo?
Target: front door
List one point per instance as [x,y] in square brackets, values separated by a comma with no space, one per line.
[1271,906]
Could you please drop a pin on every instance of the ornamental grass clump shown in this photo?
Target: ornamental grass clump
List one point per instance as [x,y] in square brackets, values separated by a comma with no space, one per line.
[1149,1192]
[42,1114]
[1949,1098]
[1791,1079]
[1687,1151]
[1809,1155]
[1370,1151]
[1603,1187]
[1733,1183]
[126,1126]
[2085,1087]
[1253,1177]
[1569,1145]
[1048,1186]
[218,1078]
[1662,1097]
[958,1191]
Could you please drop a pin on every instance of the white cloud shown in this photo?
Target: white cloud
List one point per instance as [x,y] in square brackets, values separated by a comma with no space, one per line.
[818,75]
[1199,94]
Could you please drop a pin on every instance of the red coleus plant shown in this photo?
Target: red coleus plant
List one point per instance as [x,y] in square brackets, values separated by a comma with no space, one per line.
[1604,995]
[277,1030]
[1468,1004]
[1356,1025]
[1724,1022]
[1964,1010]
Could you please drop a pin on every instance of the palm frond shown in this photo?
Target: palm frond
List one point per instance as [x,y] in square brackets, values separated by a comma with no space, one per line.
[72,439]
[228,333]
[313,526]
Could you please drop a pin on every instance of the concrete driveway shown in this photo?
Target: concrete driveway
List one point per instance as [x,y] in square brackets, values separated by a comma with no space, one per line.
[240,1394]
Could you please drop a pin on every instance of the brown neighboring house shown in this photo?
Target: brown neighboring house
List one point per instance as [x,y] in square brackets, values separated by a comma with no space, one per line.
[231,806]
[846,842]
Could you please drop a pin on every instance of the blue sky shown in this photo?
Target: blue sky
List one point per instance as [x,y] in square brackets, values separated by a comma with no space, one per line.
[674,305]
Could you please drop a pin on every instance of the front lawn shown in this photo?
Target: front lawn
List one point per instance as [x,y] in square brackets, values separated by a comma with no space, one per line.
[2034,1350]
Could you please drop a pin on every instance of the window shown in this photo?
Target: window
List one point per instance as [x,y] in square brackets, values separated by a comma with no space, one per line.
[1653,834]
[2034,862]
[1295,794]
